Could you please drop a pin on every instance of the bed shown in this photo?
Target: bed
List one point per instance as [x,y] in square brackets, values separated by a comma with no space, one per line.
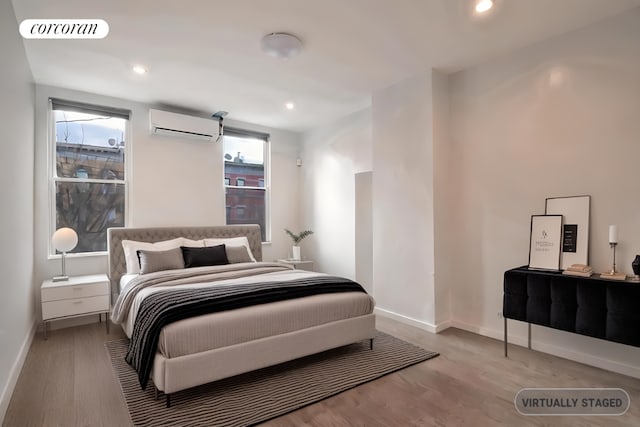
[192,351]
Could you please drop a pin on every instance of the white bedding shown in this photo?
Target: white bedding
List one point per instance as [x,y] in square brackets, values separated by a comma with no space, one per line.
[125,279]
[241,325]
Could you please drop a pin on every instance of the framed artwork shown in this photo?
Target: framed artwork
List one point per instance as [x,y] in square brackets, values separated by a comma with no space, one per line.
[545,242]
[575,233]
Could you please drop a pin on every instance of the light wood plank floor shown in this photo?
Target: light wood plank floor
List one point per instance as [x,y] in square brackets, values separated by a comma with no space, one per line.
[68,381]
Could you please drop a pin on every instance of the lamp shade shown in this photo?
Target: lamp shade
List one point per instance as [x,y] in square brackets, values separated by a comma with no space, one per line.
[64,239]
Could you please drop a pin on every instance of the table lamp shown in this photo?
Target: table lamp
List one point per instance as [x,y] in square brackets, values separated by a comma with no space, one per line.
[64,240]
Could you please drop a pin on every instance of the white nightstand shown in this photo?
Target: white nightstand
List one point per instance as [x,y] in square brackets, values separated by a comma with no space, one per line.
[298,264]
[78,296]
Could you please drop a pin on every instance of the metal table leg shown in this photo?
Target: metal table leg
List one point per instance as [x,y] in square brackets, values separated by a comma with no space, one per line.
[106,316]
[505,338]
[529,337]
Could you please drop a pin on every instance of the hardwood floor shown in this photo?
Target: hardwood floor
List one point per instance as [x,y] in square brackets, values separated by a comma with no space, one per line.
[67,381]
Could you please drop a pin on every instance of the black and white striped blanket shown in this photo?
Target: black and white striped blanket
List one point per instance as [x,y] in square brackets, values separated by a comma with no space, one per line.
[171,305]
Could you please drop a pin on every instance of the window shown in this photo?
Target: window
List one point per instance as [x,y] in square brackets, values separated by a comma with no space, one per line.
[246,165]
[88,173]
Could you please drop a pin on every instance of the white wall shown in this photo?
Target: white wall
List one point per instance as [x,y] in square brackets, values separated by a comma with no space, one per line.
[174,181]
[461,162]
[331,156]
[17,314]
[443,209]
[403,199]
[556,119]
[381,160]
[364,230]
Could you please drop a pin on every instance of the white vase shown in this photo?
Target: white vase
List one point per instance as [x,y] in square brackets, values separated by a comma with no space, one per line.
[296,253]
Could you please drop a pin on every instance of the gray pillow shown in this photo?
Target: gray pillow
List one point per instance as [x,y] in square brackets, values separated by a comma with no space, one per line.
[151,261]
[236,254]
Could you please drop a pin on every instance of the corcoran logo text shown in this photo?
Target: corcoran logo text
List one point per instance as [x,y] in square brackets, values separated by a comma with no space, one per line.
[64,28]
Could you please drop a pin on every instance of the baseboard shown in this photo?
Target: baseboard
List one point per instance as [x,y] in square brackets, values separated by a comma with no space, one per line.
[587,359]
[487,332]
[443,326]
[421,324]
[12,380]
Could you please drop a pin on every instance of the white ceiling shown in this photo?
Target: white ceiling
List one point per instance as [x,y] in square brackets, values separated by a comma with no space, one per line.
[205,55]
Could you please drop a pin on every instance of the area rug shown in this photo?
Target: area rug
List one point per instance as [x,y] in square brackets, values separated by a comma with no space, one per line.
[261,395]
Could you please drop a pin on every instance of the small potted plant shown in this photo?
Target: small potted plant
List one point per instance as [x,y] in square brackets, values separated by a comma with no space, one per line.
[297,238]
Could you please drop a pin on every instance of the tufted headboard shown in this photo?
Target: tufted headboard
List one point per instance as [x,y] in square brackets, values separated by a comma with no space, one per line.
[115,236]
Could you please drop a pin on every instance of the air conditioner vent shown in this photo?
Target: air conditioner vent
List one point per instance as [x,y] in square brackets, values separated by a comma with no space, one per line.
[180,125]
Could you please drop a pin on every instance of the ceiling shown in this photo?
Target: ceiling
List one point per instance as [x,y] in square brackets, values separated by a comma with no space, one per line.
[205,55]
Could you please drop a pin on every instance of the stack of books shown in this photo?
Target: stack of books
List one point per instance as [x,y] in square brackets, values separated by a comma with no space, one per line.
[579,270]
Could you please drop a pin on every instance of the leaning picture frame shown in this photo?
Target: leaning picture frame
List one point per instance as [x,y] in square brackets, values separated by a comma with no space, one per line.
[575,228]
[545,242]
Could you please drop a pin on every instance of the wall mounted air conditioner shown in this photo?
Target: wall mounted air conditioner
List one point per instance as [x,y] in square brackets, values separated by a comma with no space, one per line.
[180,125]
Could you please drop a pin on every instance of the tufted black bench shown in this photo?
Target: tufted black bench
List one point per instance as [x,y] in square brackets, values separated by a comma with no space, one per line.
[599,308]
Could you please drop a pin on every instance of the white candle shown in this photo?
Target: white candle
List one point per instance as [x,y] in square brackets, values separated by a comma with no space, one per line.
[613,234]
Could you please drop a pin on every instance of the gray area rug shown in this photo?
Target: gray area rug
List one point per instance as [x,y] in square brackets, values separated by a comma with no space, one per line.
[261,395]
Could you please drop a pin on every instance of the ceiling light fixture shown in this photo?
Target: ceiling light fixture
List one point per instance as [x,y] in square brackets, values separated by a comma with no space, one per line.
[281,45]
[483,6]
[290,105]
[140,69]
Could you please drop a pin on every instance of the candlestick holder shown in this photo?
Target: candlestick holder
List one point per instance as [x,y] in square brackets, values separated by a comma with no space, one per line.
[613,274]
[613,268]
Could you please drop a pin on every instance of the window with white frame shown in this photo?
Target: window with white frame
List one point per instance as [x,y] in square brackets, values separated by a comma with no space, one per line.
[88,171]
[246,178]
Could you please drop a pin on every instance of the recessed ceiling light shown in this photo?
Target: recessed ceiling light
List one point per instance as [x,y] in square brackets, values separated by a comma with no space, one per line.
[281,45]
[290,105]
[140,69]
[483,6]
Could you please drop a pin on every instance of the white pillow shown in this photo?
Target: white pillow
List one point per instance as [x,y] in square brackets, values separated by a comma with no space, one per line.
[231,241]
[192,243]
[131,248]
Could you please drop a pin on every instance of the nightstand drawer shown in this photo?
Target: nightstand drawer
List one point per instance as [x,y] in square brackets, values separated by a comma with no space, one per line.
[71,307]
[56,293]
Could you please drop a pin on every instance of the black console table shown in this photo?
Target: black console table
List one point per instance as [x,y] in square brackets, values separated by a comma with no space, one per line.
[600,308]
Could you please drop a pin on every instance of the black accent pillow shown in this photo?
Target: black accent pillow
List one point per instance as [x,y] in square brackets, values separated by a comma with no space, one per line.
[202,257]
